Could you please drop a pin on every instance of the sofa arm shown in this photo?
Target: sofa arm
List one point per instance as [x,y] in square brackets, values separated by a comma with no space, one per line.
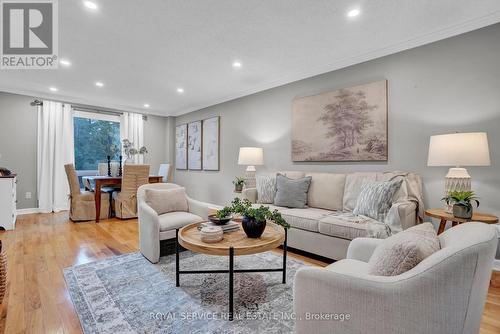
[201,209]
[361,249]
[250,194]
[407,213]
[149,232]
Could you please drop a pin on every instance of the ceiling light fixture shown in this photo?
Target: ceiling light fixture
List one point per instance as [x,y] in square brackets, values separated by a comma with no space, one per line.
[180,90]
[99,84]
[353,12]
[146,105]
[236,64]
[65,62]
[90,5]
[53,89]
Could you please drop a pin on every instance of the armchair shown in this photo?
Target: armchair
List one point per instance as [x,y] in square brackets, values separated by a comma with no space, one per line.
[443,294]
[155,229]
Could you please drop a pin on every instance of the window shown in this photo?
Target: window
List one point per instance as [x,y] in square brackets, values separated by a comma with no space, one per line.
[96,136]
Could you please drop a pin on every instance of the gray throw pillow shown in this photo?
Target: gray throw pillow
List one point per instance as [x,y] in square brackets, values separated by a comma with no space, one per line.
[375,198]
[404,250]
[291,193]
[266,188]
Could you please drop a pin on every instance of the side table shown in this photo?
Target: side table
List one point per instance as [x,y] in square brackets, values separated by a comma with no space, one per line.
[446,217]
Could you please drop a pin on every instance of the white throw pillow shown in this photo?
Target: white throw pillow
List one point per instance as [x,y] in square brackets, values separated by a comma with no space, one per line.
[266,188]
[404,250]
[166,200]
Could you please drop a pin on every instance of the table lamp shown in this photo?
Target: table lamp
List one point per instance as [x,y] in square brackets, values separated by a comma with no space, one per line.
[251,157]
[458,150]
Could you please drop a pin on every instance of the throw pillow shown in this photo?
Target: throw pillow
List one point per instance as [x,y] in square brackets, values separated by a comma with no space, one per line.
[266,189]
[404,250]
[375,198]
[292,193]
[166,200]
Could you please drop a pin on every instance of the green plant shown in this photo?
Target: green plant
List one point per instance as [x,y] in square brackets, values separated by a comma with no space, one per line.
[239,181]
[261,213]
[223,213]
[462,198]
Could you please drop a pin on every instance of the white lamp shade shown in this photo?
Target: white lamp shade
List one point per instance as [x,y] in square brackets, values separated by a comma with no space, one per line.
[459,149]
[251,156]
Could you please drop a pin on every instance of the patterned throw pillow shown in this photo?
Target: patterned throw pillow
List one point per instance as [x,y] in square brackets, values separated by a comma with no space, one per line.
[375,198]
[266,189]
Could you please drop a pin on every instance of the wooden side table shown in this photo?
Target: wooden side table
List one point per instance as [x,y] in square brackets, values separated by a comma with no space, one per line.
[446,217]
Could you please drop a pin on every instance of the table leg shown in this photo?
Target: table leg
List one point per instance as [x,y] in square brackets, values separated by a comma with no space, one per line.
[231,274]
[442,226]
[97,196]
[177,257]
[284,257]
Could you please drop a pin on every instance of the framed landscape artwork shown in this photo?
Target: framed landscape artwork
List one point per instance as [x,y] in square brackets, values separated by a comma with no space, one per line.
[348,124]
[211,143]
[194,145]
[181,146]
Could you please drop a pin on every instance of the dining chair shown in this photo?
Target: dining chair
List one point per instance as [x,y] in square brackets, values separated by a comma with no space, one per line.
[103,168]
[164,171]
[82,203]
[125,201]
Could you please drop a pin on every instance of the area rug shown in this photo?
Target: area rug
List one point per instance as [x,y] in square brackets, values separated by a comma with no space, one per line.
[128,294]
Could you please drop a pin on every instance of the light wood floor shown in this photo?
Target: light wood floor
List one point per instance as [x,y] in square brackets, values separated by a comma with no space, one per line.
[37,300]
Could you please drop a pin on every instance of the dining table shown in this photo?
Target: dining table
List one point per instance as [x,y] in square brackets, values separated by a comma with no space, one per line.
[96,183]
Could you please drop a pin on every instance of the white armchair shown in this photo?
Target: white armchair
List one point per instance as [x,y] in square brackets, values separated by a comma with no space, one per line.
[443,294]
[154,228]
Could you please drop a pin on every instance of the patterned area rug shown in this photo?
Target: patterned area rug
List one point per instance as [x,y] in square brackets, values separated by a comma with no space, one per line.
[128,294]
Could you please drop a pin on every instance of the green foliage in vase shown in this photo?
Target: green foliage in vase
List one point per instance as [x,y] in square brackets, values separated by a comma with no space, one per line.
[463,198]
[261,213]
[223,213]
[239,181]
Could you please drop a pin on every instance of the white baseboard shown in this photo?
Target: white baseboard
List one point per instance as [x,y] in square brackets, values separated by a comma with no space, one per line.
[27,211]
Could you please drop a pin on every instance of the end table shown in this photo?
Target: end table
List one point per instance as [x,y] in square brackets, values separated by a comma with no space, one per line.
[445,217]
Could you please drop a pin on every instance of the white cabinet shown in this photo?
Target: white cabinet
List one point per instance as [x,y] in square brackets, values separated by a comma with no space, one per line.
[8,202]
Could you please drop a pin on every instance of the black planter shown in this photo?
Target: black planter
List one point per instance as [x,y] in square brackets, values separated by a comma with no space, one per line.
[462,211]
[253,228]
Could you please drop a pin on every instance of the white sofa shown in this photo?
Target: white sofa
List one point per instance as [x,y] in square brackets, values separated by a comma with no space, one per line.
[154,228]
[327,226]
[443,294]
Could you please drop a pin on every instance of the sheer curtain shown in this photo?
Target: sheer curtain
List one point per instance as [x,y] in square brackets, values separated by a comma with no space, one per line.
[132,128]
[55,149]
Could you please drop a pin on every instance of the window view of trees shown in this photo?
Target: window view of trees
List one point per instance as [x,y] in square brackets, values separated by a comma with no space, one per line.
[94,141]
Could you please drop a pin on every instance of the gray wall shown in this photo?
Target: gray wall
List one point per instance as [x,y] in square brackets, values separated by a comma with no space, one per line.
[451,85]
[18,143]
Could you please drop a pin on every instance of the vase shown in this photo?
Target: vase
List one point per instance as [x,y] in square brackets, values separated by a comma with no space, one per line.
[238,188]
[252,227]
[462,211]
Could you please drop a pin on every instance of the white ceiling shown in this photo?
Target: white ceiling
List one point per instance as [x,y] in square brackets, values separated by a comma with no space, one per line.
[144,50]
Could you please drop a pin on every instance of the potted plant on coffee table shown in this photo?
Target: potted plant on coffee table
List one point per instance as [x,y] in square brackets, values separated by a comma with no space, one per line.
[254,219]
[238,184]
[462,203]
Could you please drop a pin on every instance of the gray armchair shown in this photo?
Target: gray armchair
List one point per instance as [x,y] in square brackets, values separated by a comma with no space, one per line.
[154,228]
[443,294]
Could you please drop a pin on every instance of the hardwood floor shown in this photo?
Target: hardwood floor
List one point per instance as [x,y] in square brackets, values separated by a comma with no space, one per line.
[44,244]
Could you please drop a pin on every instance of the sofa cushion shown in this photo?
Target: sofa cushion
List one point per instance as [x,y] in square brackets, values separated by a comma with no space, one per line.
[353,183]
[166,200]
[172,220]
[266,188]
[291,193]
[349,267]
[326,190]
[304,219]
[375,198]
[403,251]
[345,225]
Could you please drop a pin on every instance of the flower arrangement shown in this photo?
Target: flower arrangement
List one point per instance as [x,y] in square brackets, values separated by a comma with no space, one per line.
[131,151]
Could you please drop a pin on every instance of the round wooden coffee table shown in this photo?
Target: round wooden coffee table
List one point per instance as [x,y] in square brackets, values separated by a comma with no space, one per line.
[234,243]
[445,217]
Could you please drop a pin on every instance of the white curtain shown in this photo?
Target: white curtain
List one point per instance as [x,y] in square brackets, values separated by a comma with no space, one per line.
[132,128]
[55,149]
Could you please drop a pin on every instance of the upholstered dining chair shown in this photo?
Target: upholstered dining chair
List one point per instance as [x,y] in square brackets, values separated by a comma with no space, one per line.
[82,203]
[164,171]
[102,168]
[125,201]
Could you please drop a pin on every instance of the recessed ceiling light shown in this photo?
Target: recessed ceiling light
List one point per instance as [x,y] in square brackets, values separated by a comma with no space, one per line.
[90,5]
[65,62]
[353,12]
[99,84]
[53,89]
[180,90]
[146,105]
[236,64]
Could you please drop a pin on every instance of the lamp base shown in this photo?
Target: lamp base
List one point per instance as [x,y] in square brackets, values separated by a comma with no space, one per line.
[250,181]
[457,179]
